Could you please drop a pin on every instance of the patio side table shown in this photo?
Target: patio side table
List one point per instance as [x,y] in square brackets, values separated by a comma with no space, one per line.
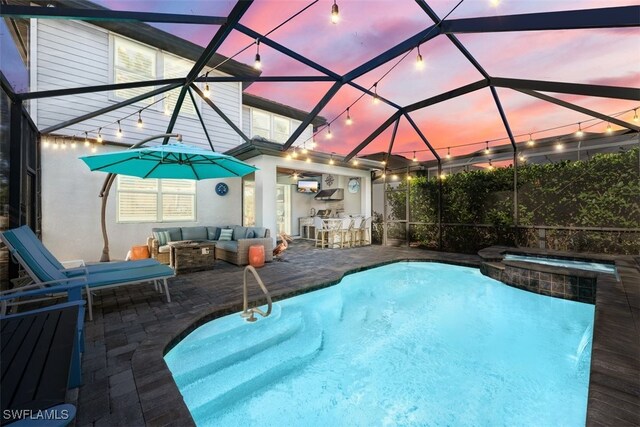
[188,257]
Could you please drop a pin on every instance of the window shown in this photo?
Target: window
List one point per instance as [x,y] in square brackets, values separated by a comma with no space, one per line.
[133,62]
[261,124]
[176,67]
[156,200]
[281,129]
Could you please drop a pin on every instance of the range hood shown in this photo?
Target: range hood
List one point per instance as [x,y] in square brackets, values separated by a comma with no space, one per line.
[330,194]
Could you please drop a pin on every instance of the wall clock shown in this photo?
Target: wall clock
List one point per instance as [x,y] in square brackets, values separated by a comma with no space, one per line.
[222,189]
[354,185]
[329,180]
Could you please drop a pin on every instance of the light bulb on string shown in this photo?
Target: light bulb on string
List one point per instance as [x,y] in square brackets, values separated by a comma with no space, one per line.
[331,161]
[448,152]
[308,160]
[86,139]
[376,100]
[289,157]
[349,122]
[409,177]
[522,158]
[295,153]
[530,142]
[329,135]
[486,148]
[635,115]
[295,175]
[55,144]
[335,13]
[119,134]
[313,144]
[140,119]
[63,145]
[47,143]
[94,148]
[443,176]
[355,161]
[579,132]
[419,60]
[415,159]
[86,142]
[207,91]
[257,64]
[490,165]
[609,129]
[73,141]
[304,149]
[559,146]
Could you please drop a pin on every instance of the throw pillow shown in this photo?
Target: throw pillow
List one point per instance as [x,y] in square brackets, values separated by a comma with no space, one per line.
[226,234]
[251,234]
[167,236]
[161,237]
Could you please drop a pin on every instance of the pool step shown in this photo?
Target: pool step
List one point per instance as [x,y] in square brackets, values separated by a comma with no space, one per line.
[226,327]
[239,380]
[219,352]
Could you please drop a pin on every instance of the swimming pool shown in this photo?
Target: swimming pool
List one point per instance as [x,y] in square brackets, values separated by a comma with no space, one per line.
[558,262]
[402,344]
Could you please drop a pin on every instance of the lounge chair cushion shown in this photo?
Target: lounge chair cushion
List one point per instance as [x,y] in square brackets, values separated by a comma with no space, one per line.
[129,276]
[164,249]
[239,232]
[225,234]
[194,233]
[228,245]
[213,233]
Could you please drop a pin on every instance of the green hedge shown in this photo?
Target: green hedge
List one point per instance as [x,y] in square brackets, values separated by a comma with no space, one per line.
[601,192]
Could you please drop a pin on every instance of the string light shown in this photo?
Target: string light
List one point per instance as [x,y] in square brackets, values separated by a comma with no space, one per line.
[635,115]
[448,152]
[335,13]
[530,142]
[331,161]
[329,135]
[55,144]
[609,130]
[443,176]
[47,143]
[375,93]
[313,144]
[86,139]
[495,3]
[409,177]
[415,159]
[355,161]
[559,146]
[308,160]
[522,158]
[486,148]
[86,143]
[289,156]
[294,154]
[94,149]
[419,60]
[207,91]
[304,149]
[63,145]
[349,121]
[394,176]
[258,63]
[490,165]
[140,119]
[295,175]
[579,132]
[73,141]
[119,134]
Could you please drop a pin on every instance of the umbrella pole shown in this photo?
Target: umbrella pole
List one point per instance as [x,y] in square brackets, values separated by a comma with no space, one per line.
[103,213]
[104,193]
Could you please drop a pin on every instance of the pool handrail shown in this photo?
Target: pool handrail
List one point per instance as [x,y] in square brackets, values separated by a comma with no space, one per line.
[249,313]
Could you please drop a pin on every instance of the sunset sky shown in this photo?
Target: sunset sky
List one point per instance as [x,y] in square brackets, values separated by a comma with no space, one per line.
[368,28]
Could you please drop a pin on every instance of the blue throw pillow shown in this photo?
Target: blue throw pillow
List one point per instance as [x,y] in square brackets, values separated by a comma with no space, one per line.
[167,237]
[226,234]
[251,234]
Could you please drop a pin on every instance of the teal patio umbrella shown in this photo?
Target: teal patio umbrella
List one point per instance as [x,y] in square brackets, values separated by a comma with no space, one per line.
[172,160]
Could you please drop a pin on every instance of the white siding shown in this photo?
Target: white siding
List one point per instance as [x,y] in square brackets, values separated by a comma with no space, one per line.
[73,54]
[246,121]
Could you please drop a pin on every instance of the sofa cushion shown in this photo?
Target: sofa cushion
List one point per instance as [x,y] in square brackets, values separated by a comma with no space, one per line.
[194,233]
[164,249]
[230,245]
[259,232]
[225,234]
[213,233]
[174,232]
[239,232]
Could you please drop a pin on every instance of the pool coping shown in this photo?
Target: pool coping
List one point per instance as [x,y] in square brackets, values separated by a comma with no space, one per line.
[162,403]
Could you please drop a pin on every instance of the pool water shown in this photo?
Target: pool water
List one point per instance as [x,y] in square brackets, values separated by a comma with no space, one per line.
[558,262]
[403,344]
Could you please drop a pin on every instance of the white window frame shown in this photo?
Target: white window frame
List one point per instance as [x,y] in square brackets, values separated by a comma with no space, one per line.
[293,124]
[113,39]
[159,208]
[187,98]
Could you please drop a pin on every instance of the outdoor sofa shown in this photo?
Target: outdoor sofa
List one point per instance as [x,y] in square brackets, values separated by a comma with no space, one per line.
[235,251]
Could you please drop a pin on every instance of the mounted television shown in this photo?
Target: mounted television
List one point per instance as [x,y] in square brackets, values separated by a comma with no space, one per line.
[308,186]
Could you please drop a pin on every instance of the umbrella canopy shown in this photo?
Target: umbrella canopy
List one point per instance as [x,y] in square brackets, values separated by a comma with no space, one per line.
[173,160]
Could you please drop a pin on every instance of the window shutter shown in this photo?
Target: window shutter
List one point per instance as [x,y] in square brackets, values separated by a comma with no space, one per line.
[133,62]
[137,207]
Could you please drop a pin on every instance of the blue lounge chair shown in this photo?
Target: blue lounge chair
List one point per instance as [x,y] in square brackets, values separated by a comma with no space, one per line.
[45,271]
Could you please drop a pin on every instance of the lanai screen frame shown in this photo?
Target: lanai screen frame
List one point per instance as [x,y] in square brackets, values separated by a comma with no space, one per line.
[610,17]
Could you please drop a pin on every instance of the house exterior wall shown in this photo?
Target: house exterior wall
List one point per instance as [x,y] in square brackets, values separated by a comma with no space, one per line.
[74,54]
[71,208]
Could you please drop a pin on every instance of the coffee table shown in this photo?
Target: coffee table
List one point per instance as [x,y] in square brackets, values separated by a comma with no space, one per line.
[187,257]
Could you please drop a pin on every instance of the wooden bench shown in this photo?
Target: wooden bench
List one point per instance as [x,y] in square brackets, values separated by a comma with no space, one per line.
[40,359]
